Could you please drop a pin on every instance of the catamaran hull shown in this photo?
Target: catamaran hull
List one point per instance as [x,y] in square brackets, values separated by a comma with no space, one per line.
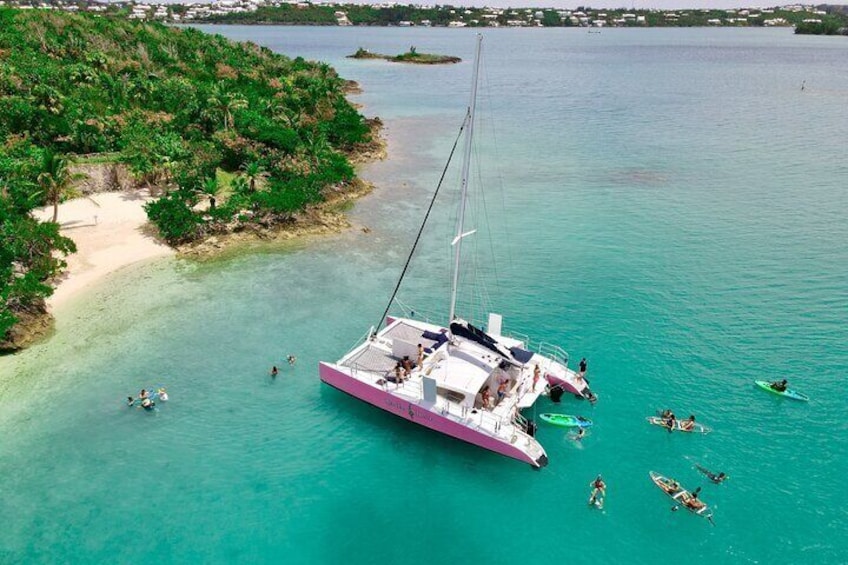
[419,415]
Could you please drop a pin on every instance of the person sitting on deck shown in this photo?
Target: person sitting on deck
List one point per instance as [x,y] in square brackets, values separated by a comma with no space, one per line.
[502,389]
[398,373]
[407,365]
[779,386]
[486,397]
[688,424]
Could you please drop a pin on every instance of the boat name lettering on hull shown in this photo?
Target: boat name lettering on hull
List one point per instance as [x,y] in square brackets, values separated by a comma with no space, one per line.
[413,412]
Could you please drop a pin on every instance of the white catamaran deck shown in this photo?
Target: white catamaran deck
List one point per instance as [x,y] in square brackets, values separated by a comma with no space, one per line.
[460,367]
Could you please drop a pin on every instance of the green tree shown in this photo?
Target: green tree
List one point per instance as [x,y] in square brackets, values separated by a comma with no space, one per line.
[55,179]
[255,174]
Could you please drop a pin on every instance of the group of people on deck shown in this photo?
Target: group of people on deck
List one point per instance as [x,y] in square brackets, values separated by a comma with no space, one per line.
[403,368]
[486,394]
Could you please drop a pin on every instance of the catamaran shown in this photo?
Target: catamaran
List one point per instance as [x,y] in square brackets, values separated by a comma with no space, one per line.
[457,378]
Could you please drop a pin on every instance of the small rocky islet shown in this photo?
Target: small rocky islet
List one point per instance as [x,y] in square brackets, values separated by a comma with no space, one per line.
[412,56]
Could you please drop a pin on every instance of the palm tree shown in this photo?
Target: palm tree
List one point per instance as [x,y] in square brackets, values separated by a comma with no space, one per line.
[55,179]
[226,103]
[254,173]
[236,102]
[210,188]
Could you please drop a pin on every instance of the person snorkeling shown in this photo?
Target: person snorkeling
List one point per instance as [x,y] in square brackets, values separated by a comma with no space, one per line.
[717,478]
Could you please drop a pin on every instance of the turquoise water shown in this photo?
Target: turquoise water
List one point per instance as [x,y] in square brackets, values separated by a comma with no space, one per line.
[667,203]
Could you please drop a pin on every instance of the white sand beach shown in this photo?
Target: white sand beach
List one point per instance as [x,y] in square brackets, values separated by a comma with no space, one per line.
[111,231]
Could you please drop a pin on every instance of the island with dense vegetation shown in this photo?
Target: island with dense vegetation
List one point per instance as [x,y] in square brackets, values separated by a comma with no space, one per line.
[412,56]
[230,135]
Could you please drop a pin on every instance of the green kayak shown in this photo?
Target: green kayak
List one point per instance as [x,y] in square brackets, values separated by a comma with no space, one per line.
[566,420]
[788,393]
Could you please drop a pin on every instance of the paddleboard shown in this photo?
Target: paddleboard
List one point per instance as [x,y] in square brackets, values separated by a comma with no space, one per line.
[788,393]
[695,429]
[566,420]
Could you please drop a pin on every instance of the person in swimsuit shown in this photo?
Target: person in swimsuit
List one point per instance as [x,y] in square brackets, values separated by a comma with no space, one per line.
[688,424]
[502,389]
[693,502]
[582,367]
[537,372]
[274,371]
[599,491]
[486,397]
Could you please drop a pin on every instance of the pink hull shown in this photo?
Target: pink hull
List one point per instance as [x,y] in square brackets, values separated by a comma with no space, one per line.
[414,413]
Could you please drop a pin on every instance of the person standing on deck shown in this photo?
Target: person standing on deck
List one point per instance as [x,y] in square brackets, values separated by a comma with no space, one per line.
[583,367]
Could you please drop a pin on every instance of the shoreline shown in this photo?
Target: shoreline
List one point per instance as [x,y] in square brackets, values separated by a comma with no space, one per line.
[111,231]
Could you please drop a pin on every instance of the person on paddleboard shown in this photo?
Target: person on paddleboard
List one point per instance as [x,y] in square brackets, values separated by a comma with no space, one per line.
[670,422]
[688,424]
[599,491]
[779,386]
[693,502]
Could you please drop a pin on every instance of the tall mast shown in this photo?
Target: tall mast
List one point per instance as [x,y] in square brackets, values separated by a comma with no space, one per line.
[466,163]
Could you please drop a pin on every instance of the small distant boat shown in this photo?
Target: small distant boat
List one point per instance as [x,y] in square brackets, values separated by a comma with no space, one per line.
[566,420]
[788,393]
[691,427]
[680,495]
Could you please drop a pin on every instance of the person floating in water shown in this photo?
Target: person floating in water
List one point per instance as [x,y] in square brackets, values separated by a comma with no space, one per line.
[716,478]
[779,386]
[599,491]
[580,433]
[291,359]
[130,401]
[147,404]
[274,371]
[162,394]
[143,394]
